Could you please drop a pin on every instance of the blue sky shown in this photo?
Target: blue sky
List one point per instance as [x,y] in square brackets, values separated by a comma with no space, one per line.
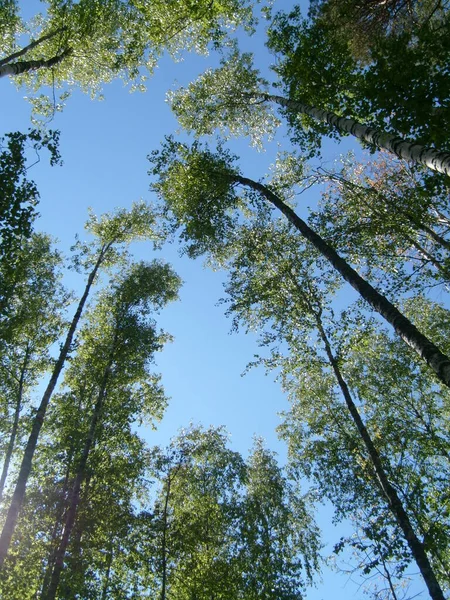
[104,145]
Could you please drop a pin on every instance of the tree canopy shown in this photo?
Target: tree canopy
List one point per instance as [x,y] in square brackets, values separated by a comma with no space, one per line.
[334,261]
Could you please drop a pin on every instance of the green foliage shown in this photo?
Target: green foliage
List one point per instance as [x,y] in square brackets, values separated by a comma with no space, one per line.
[19,195]
[381,216]
[34,304]
[401,88]
[113,232]
[275,287]
[281,543]
[115,349]
[90,43]
[226,527]
[406,415]
[9,23]
[315,68]
[119,323]
[362,22]
[210,524]
[227,99]
[197,188]
[124,225]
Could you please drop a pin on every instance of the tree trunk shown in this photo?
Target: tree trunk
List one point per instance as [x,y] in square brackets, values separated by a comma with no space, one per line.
[395,504]
[410,151]
[106,582]
[438,361]
[428,257]
[56,527]
[32,65]
[15,425]
[30,46]
[76,489]
[25,467]
[164,540]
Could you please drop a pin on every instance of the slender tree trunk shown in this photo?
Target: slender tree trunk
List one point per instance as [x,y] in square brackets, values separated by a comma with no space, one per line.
[438,361]
[442,218]
[15,425]
[388,577]
[164,540]
[30,46]
[410,151]
[25,468]
[109,560]
[431,233]
[56,527]
[80,476]
[395,504]
[32,65]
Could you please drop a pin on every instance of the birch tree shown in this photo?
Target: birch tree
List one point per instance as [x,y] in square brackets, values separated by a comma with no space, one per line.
[291,308]
[34,323]
[111,367]
[390,91]
[236,100]
[199,189]
[113,233]
[226,527]
[280,542]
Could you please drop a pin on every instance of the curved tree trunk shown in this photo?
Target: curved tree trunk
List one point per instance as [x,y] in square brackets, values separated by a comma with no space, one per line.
[394,501]
[429,258]
[410,151]
[428,351]
[25,467]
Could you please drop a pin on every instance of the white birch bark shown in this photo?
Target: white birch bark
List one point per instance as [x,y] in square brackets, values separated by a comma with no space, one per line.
[407,150]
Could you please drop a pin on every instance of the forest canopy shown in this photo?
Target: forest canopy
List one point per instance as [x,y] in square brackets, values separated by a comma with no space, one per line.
[132,463]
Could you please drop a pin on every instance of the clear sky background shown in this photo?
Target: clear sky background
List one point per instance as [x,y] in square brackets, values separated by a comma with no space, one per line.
[104,145]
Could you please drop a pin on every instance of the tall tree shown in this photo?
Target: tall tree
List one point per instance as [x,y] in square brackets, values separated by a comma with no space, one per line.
[191,530]
[287,303]
[400,88]
[236,100]
[226,528]
[116,345]
[199,191]
[18,199]
[279,545]
[113,233]
[34,324]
